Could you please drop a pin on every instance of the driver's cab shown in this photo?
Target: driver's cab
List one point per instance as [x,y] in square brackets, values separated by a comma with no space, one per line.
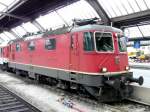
[104,49]
[104,42]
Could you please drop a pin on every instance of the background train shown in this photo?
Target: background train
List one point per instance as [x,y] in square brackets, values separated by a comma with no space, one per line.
[86,56]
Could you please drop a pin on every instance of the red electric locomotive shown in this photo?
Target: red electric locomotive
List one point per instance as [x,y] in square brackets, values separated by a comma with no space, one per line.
[86,56]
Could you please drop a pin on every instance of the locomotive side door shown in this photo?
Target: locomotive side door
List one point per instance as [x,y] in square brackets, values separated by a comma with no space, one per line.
[31,48]
[74,52]
[12,52]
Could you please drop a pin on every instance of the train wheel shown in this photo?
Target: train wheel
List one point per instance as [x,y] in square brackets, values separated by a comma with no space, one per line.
[93,91]
[18,72]
[103,94]
[63,85]
[4,67]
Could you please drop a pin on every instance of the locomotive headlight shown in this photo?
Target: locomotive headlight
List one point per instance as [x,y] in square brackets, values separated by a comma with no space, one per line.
[104,69]
[127,68]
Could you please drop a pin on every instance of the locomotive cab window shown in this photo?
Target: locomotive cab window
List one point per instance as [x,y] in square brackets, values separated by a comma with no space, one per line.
[50,44]
[18,47]
[122,43]
[88,41]
[103,42]
[31,45]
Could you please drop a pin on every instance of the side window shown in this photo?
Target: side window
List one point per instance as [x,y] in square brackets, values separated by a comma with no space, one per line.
[50,44]
[31,45]
[88,41]
[1,51]
[122,43]
[18,47]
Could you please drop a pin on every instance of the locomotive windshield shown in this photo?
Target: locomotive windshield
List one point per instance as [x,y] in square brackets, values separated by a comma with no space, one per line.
[104,42]
[122,43]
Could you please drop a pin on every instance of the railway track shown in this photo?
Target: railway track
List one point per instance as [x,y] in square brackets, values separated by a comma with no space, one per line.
[125,106]
[10,102]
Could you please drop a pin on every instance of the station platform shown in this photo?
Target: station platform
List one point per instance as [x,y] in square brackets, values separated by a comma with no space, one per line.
[141,94]
[139,65]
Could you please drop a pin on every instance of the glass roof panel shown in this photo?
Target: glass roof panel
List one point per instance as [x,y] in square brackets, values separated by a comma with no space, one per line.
[132,32]
[9,35]
[148,3]
[19,31]
[127,6]
[50,20]
[145,30]
[119,6]
[6,4]
[29,27]
[134,5]
[4,37]
[107,8]
[76,11]
[65,15]
[115,8]
[141,4]
[2,7]
[1,40]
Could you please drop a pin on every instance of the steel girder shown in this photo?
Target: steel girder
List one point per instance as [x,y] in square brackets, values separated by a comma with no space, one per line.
[131,19]
[100,11]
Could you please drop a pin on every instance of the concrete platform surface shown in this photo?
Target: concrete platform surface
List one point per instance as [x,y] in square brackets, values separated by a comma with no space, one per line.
[139,65]
[141,94]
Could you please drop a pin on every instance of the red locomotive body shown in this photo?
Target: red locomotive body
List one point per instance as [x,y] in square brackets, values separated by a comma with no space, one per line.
[92,57]
[69,53]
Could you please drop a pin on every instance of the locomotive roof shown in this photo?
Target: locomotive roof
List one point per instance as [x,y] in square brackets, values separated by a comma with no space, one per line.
[64,30]
[73,29]
[96,27]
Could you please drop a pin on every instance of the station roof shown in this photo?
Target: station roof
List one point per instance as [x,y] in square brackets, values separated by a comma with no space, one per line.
[17,17]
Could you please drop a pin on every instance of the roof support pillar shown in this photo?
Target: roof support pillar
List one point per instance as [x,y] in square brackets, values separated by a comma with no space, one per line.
[37,24]
[14,34]
[100,11]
